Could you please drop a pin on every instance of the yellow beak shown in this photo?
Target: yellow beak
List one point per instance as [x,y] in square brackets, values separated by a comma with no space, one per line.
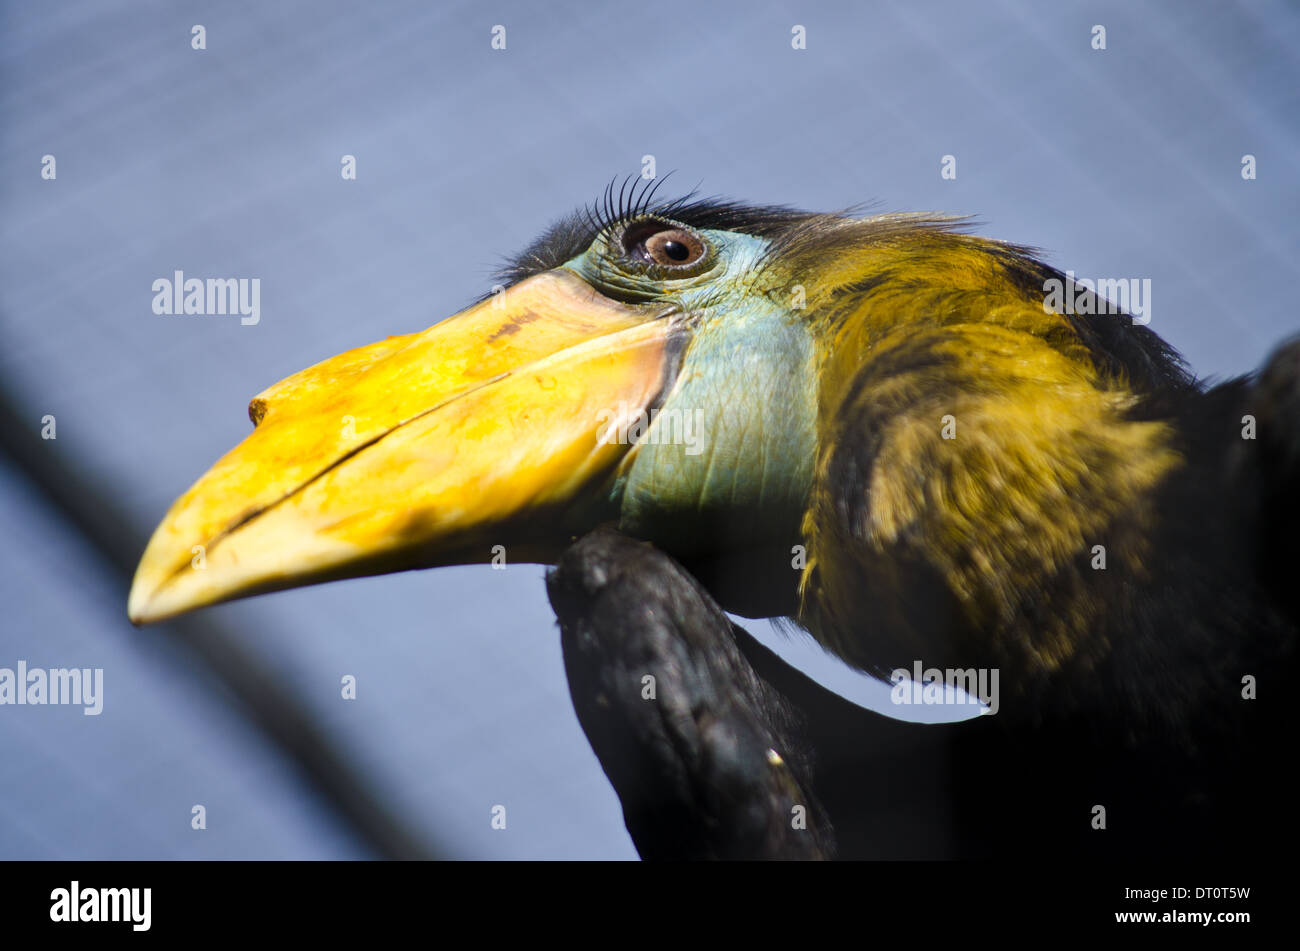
[428,449]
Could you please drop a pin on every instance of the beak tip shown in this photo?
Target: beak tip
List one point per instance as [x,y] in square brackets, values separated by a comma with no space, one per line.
[137,606]
[143,605]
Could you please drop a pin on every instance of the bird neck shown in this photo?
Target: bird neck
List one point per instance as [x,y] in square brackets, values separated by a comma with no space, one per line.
[979,475]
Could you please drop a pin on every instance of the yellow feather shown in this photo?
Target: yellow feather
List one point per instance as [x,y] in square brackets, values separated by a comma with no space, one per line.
[921,324]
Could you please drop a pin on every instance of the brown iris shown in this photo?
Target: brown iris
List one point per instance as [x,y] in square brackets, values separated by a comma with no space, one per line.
[656,242]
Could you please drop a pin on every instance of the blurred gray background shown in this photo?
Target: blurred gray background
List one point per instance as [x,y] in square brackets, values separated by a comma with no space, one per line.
[226,162]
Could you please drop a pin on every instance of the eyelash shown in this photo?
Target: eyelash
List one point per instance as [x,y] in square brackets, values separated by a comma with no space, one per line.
[632,200]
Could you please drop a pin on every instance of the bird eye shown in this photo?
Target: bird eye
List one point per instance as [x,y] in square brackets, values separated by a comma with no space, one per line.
[655,242]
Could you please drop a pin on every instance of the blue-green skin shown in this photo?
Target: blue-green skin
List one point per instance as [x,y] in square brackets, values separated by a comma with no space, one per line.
[748,367]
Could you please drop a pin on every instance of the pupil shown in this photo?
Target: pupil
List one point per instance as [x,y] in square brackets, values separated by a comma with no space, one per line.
[676,250]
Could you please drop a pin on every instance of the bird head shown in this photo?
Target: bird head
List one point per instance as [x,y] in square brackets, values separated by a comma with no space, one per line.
[643,364]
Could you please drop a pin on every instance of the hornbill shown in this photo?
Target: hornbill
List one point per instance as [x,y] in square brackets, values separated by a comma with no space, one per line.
[879,427]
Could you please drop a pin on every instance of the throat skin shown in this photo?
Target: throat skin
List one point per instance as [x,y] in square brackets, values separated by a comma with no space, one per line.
[746,399]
